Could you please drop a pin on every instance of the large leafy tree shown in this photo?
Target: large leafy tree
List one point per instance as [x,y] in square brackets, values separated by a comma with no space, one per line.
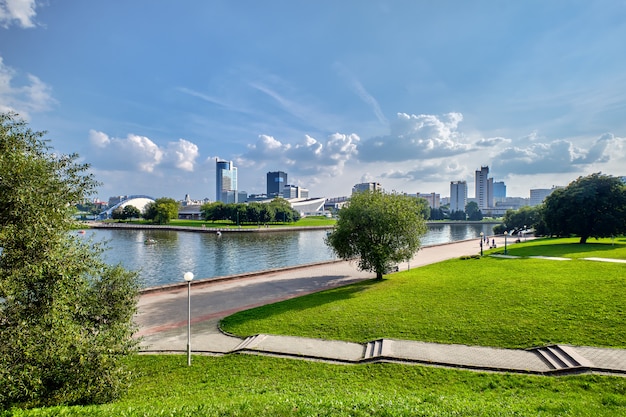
[378,229]
[65,316]
[161,210]
[591,206]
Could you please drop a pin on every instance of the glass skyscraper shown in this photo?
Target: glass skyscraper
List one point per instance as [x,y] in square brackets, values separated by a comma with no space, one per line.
[276,182]
[225,182]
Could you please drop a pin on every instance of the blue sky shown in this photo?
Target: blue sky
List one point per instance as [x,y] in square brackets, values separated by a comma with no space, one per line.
[411,94]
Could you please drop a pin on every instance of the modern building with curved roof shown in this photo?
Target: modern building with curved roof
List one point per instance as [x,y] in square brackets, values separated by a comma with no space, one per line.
[139,201]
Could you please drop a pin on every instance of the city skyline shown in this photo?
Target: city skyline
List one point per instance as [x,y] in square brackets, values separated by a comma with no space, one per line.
[412,95]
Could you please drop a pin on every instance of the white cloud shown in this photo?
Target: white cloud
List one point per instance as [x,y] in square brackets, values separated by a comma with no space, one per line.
[559,156]
[32,96]
[307,157]
[20,11]
[491,142]
[182,154]
[140,153]
[416,137]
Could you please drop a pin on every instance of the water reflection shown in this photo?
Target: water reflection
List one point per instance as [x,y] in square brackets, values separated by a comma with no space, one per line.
[209,255]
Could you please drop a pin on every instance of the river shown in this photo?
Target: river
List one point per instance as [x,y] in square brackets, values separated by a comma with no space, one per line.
[208,255]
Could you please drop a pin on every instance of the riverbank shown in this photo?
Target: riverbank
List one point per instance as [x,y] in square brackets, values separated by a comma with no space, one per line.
[249,229]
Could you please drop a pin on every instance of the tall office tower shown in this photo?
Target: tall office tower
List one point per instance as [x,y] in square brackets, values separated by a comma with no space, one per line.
[276,182]
[225,182]
[458,195]
[366,186]
[499,191]
[484,189]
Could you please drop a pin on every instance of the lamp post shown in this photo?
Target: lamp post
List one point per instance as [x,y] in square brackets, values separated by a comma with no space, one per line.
[188,277]
[481,243]
[505,236]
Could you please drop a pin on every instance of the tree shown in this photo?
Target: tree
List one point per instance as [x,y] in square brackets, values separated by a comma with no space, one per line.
[458,215]
[65,315]
[473,212]
[378,229]
[591,206]
[131,212]
[524,218]
[161,211]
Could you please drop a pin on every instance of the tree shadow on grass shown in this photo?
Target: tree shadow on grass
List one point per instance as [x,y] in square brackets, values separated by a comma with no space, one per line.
[298,304]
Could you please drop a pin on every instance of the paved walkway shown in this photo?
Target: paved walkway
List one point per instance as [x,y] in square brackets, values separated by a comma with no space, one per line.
[163,324]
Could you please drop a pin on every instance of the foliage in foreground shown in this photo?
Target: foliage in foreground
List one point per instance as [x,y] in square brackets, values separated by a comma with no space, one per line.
[241,385]
[514,303]
[378,229]
[65,316]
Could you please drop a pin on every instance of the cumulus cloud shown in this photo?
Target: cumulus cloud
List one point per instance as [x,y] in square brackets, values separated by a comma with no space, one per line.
[140,153]
[29,95]
[428,172]
[310,156]
[21,12]
[559,156]
[415,137]
[491,142]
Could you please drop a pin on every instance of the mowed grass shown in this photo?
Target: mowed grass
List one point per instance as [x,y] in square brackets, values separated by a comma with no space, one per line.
[241,385]
[511,303]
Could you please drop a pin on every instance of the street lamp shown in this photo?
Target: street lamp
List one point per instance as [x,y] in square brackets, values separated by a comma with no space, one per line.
[481,243]
[505,236]
[188,277]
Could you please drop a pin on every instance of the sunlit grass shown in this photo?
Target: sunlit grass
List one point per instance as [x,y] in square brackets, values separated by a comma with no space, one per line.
[241,385]
[514,303]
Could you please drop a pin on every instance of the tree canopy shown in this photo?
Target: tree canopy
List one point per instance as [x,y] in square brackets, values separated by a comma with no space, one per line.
[65,315]
[278,210]
[378,229]
[591,206]
[161,211]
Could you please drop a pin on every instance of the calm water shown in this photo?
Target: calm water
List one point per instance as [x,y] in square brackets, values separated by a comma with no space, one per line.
[208,255]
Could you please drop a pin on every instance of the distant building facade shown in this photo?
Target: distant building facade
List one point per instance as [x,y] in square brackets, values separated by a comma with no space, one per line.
[484,188]
[538,195]
[276,182]
[432,198]
[225,182]
[458,195]
[294,191]
[366,186]
[499,191]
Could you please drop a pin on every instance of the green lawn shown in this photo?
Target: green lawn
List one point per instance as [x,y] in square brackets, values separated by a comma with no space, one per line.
[241,385]
[512,303]
[489,301]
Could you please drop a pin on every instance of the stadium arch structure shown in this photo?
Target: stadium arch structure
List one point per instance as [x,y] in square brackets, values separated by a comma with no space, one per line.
[139,201]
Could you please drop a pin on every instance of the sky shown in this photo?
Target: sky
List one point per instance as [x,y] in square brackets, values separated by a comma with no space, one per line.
[412,94]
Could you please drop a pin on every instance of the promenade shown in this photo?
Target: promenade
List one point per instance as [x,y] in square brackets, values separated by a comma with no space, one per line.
[162,321]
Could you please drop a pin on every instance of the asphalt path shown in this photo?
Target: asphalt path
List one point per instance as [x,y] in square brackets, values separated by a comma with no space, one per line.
[162,312]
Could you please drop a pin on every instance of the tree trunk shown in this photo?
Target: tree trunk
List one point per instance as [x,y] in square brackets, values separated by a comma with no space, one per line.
[379,275]
[583,240]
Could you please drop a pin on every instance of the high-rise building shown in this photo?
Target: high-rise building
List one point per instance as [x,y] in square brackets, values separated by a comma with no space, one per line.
[225,182]
[276,182]
[499,191]
[458,195]
[366,186]
[432,198]
[484,189]
[538,195]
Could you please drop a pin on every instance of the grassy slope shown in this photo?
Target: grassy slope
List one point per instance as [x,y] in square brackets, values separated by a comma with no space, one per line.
[515,303]
[468,294]
[262,386]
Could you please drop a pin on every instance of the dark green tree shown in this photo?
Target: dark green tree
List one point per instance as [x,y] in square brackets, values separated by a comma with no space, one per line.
[473,212]
[65,316]
[458,215]
[524,218]
[591,206]
[131,212]
[378,229]
[161,211]
[214,211]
